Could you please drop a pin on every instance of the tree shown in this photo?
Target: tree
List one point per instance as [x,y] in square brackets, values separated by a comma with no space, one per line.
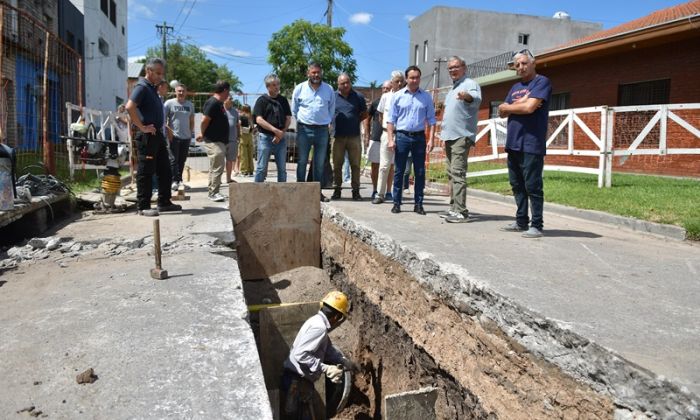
[190,66]
[293,47]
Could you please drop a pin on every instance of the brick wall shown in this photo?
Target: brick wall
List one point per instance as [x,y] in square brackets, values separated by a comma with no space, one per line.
[595,82]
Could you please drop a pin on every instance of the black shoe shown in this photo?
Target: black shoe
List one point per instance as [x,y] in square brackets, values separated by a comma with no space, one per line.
[396,209]
[169,207]
[336,194]
[324,199]
[418,208]
[356,196]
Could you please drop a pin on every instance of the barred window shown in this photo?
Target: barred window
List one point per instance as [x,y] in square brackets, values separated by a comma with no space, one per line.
[644,93]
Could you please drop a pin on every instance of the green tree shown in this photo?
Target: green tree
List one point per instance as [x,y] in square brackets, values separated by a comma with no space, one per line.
[295,45]
[190,66]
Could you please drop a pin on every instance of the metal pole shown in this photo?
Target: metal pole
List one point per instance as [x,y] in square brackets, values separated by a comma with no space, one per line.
[329,13]
[48,150]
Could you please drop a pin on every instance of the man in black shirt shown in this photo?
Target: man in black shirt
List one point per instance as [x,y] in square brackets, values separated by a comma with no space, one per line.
[214,132]
[146,112]
[272,114]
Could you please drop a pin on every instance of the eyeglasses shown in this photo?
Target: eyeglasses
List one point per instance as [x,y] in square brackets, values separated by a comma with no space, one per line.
[525,51]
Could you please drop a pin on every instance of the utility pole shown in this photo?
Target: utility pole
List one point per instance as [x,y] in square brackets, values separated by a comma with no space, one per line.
[439,62]
[163,30]
[329,13]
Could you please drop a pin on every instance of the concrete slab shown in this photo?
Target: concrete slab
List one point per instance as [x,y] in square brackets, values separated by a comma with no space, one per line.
[277,227]
[412,405]
[177,348]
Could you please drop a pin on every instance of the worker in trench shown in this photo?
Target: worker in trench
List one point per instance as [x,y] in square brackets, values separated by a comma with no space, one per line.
[311,356]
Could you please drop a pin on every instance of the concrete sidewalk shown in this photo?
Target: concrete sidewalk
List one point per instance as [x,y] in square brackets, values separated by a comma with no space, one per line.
[634,294]
[176,348]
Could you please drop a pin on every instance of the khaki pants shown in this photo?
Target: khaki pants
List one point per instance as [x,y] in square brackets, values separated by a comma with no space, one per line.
[457,152]
[386,159]
[353,145]
[216,151]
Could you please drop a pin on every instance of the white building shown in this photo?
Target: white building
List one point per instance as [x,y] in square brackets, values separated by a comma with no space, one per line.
[105,52]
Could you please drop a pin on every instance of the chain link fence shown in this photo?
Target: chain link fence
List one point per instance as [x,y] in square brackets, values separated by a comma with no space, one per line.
[39,74]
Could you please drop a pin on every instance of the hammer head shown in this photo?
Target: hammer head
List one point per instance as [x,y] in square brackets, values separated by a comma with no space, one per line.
[159,273]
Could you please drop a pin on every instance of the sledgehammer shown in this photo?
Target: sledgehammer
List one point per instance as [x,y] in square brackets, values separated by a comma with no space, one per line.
[157,273]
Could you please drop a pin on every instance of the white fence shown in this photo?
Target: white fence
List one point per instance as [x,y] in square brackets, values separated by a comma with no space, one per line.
[598,140]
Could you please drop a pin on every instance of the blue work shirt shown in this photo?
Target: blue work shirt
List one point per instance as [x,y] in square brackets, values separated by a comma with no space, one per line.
[148,103]
[409,111]
[460,117]
[347,113]
[314,107]
[528,133]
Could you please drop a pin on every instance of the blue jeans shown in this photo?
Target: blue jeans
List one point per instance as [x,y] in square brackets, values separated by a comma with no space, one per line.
[415,146]
[265,148]
[317,137]
[525,176]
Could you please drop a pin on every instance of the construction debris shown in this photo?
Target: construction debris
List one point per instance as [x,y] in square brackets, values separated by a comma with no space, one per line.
[86,377]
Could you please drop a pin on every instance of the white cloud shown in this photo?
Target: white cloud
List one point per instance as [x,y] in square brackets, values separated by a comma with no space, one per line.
[361,18]
[224,51]
[409,17]
[140,9]
[136,58]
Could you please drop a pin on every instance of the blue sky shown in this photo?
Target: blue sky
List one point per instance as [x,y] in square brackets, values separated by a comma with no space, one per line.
[236,32]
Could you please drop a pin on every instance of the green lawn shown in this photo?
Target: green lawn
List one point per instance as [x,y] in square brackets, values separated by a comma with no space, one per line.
[657,199]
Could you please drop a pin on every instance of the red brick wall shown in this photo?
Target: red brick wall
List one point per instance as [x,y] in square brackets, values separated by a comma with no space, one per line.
[595,82]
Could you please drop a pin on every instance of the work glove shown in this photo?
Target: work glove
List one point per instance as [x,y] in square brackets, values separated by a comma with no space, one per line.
[350,365]
[334,373]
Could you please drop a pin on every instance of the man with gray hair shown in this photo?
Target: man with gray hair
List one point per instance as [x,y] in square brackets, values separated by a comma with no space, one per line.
[146,112]
[459,134]
[373,125]
[350,111]
[273,115]
[527,109]
[313,106]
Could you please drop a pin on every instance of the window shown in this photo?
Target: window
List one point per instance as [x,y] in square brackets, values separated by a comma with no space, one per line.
[104,5]
[644,93]
[123,31]
[559,101]
[523,39]
[415,55]
[113,12]
[103,46]
[121,63]
[70,39]
[425,51]
[80,47]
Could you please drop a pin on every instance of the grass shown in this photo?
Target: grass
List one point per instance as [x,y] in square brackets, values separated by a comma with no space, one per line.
[653,198]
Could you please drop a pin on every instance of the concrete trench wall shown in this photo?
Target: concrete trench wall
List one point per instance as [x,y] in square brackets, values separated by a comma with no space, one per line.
[423,323]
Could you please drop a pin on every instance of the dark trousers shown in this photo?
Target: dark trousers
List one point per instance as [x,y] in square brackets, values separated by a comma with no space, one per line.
[153,159]
[525,176]
[415,146]
[179,149]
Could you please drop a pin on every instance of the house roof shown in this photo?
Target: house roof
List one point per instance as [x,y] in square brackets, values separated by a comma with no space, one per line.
[659,17]
[134,70]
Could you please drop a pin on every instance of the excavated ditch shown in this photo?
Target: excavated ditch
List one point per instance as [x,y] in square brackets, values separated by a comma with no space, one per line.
[413,326]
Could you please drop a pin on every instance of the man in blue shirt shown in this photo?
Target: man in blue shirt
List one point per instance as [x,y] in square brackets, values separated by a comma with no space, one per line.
[527,109]
[411,109]
[146,112]
[313,107]
[350,110]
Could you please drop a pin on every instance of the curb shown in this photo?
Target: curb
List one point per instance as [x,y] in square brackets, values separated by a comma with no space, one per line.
[629,223]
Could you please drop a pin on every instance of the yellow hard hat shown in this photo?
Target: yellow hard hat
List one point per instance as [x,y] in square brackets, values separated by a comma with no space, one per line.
[338,301]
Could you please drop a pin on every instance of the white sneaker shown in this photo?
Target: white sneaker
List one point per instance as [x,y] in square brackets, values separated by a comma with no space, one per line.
[217,198]
[174,186]
[183,185]
[406,191]
[447,213]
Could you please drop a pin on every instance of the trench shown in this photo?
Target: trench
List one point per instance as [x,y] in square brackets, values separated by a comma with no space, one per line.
[406,337]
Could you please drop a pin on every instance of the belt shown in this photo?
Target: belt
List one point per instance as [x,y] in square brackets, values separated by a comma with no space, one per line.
[411,133]
[312,125]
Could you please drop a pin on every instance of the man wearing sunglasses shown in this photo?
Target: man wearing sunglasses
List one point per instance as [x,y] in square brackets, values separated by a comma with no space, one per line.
[527,110]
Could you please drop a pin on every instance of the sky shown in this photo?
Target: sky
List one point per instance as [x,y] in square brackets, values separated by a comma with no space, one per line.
[236,33]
